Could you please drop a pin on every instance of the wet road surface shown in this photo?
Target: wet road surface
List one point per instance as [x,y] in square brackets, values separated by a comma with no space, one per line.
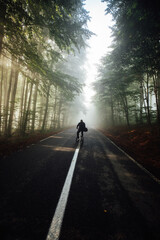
[111,198]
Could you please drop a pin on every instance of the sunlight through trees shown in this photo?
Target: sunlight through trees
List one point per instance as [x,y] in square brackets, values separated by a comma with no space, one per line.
[35,39]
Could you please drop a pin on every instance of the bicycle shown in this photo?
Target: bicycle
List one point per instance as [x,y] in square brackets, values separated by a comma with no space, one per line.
[80,140]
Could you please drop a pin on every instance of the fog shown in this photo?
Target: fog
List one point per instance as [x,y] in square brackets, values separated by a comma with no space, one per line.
[99,45]
[57,91]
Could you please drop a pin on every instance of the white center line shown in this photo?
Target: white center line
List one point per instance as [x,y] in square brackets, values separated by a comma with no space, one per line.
[55,227]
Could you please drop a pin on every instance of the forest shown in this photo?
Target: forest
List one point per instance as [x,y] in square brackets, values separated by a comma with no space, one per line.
[79,128]
[42,51]
[42,57]
[128,82]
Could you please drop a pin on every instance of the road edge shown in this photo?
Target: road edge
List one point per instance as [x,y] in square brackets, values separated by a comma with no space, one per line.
[132,159]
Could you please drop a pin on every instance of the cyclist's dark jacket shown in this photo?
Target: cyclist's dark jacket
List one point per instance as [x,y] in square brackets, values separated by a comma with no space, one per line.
[81,126]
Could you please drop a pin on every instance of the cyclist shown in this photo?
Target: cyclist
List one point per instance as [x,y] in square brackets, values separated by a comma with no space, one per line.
[81,128]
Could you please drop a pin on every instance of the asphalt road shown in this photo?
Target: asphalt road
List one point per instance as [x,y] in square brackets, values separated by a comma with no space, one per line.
[111,198]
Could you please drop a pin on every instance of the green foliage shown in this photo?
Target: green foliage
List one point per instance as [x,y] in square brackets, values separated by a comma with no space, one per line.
[33,29]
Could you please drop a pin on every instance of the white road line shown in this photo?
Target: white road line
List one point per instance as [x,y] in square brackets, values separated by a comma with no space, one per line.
[56,223]
[45,138]
[138,164]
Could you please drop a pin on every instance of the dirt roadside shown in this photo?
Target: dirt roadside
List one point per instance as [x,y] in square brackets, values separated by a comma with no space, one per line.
[15,143]
[141,143]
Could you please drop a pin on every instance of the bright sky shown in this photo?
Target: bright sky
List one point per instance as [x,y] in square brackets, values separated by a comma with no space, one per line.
[99,44]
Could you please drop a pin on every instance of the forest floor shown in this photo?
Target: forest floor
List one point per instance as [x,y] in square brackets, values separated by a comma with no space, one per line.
[141,143]
[15,143]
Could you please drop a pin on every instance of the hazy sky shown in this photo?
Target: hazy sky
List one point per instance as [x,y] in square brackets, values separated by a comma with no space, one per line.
[99,44]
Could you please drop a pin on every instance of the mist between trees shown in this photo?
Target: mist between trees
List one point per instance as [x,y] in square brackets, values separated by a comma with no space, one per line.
[128,83]
[41,66]
[42,55]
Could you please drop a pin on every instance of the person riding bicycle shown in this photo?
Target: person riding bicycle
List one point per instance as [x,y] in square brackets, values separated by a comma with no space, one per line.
[81,128]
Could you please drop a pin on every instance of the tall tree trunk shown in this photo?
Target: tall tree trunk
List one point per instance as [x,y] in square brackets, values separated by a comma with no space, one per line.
[6,76]
[27,111]
[34,106]
[147,100]
[135,112]
[24,107]
[118,117]
[63,119]
[8,100]
[125,107]
[155,83]
[1,86]
[141,101]
[12,103]
[112,110]
[40,113]
[59,114]
[2,22]
[158,100]
[55,108]
[20,118]
[1,37]
[46,108]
